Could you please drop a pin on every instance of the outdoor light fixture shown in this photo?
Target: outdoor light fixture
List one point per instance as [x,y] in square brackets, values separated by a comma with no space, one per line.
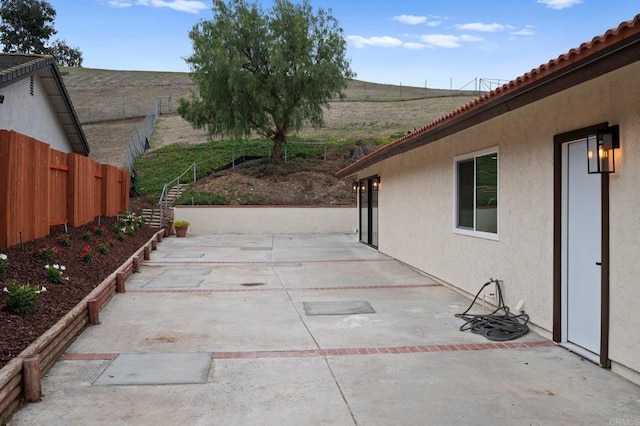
[1,99]
[354,186]
[601,148]
[375,183]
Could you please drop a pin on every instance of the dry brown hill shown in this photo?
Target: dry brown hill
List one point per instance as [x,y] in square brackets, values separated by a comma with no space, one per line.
[111,104]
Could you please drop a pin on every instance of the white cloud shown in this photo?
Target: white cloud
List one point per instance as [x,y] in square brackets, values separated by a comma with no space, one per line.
[560,4]
[383,41]
[468,37]
[524,32]
[441,40]
[414,46]
[410,19]
[479,26]
[433,23]
[119,3]
[189,6]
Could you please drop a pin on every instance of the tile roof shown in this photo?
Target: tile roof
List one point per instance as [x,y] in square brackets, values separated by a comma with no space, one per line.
[15,66]
[628,30]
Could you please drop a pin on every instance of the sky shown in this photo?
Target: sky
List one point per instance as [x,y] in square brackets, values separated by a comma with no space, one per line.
[433,43]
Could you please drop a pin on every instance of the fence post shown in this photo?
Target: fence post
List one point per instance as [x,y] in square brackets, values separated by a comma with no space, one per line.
[325,151]
[194,173]
[233,159]
[285,154]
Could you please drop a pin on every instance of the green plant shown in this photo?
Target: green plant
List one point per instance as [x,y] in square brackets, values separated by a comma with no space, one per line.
[181,223]
[198,198]
[87,254]
[99,230]
[64,240]
[103,248]
[86,236]
[4,263]
[23,298]
[55,273]
[47,253]
[128,223]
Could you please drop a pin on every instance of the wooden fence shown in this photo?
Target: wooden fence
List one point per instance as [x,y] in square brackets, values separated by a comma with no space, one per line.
[41,187]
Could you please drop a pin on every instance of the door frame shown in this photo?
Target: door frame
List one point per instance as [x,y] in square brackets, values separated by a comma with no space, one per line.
[558,141]
[369,185]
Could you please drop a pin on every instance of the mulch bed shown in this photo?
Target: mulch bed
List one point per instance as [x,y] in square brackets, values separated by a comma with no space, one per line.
[26,265]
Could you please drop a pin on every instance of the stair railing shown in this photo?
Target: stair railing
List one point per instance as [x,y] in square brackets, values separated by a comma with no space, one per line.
[235,154]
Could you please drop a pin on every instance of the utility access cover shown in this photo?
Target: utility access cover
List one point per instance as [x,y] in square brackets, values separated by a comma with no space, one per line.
[157,369]
[344,307]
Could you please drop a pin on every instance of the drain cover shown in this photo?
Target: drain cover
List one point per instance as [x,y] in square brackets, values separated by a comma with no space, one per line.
[346,307]
[252,284]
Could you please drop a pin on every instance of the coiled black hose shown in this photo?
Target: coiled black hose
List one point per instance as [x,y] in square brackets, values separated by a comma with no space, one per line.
[500,325]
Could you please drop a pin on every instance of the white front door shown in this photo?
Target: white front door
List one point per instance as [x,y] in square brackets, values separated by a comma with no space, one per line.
[582,254]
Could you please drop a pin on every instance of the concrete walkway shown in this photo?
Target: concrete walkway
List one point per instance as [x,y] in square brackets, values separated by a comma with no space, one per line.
[278,330]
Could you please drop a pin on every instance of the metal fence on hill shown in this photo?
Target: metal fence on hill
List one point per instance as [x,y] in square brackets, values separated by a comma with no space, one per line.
[122,110]
[139,142]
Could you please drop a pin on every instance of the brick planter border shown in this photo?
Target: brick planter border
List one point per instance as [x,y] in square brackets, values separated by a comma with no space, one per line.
[21,377]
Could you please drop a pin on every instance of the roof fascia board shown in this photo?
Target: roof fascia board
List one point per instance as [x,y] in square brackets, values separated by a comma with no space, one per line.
[67,100]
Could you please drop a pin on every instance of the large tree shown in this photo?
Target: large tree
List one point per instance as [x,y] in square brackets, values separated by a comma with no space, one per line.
[65,55]
[26,27]
[266,72]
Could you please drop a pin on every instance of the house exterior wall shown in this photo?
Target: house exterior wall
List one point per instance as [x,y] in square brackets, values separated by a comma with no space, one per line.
[416,205]
[30,115]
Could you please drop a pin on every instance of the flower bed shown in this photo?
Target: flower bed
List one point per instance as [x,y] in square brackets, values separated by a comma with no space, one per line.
[64,308]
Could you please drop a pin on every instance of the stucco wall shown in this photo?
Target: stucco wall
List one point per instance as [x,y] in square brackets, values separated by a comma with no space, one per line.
[32,115]
[417,202]
[624,184]
[269,220]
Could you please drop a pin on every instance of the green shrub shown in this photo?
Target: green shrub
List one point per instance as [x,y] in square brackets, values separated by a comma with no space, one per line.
[23,298]
[55,273]
[64,240]
[191,197]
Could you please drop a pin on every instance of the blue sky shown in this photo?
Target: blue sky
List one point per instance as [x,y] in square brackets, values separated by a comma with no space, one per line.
[441,43]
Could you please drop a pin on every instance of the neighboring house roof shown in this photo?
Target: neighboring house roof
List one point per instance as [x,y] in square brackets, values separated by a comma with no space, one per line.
[612,50]
[14,67]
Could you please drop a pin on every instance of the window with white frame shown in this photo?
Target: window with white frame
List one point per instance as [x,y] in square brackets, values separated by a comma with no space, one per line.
[476,193]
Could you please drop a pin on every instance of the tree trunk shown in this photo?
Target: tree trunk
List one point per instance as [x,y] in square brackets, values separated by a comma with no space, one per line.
[276,153]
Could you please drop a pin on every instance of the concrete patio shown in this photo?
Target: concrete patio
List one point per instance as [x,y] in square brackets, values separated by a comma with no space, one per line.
[265,330]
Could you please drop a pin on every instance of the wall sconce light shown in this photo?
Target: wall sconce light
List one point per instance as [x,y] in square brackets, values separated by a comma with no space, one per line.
[354,186]
[601,148]
[375,183]
[1,99]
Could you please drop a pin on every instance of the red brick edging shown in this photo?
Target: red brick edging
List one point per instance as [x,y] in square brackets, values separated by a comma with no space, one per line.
[301,353]
[382,350]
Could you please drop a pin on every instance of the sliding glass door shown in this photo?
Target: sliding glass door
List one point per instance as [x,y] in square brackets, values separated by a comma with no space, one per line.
[368,197]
